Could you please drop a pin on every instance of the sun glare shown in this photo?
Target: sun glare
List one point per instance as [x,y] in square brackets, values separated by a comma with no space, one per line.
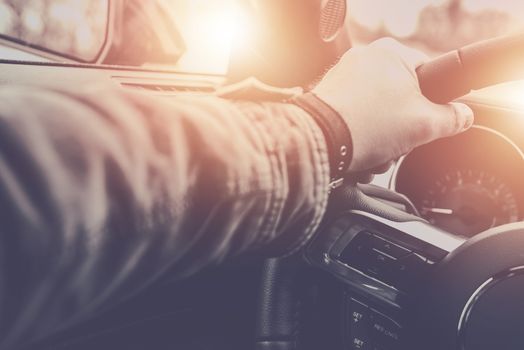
[209,32]
[506,94]
[514,93]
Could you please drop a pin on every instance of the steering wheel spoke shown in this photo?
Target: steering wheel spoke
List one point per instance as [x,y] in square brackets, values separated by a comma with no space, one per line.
[421,279]
[380,257]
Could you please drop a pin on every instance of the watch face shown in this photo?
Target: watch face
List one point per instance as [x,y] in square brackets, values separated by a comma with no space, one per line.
[332,18]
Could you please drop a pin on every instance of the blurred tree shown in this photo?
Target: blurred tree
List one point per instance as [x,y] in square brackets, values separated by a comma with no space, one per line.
[448,26]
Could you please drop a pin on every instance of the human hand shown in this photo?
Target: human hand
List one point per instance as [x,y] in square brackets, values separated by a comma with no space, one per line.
[376,90]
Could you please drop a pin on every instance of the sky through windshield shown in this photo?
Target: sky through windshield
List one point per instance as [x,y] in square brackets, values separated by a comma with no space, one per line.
[434,25]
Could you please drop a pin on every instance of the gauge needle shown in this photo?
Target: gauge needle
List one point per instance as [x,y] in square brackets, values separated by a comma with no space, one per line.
[438,211]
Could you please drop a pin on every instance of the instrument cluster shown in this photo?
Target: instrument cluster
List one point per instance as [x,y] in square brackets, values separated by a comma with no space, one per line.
[465,184]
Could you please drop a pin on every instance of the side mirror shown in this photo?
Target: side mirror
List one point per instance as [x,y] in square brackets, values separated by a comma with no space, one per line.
[70,28]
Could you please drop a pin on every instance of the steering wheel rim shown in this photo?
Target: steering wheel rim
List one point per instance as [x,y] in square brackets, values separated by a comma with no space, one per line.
[463,281]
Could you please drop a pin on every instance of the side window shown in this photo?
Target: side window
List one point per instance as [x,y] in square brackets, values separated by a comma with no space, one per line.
[75,28]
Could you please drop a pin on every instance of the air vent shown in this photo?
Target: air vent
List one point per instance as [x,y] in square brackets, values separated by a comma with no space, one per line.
[169,87]
[164,84]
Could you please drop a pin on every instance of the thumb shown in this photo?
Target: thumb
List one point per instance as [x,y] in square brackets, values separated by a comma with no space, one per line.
[452,119]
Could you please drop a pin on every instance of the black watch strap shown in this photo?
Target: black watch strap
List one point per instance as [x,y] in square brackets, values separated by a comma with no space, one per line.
[336,132]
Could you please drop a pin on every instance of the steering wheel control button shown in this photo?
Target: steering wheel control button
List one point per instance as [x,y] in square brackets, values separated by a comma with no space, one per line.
[376,257]
[360,344]
[389,248]
[359,325]
[359,313]
[410,269]
[356,251]
[384,331]
[379,264]
[370,329]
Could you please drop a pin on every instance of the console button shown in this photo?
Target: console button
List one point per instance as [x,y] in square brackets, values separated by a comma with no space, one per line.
[389,248]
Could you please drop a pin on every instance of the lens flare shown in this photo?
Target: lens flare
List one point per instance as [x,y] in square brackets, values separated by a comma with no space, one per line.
[507,94]
[210,30]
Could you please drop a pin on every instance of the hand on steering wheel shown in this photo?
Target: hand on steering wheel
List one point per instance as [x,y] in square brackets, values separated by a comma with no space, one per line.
[404,119]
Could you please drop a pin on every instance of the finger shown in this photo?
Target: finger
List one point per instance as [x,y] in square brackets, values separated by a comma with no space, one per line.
[412,57]
[437,121]
[452,119]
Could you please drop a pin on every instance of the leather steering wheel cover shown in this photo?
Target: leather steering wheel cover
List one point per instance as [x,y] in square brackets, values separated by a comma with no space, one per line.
[458,277]
[278,312]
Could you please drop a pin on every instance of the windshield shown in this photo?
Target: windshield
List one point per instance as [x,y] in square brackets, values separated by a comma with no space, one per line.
[197,35]
[434,26]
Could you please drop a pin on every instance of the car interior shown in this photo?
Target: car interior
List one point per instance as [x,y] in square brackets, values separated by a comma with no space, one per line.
[427,256]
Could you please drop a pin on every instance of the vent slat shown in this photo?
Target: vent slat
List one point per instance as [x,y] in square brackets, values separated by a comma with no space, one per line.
[169,88]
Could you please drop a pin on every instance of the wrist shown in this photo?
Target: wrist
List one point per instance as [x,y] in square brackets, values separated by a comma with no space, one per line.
[336,134]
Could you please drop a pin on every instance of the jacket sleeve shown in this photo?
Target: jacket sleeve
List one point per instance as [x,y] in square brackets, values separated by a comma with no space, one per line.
[103,192]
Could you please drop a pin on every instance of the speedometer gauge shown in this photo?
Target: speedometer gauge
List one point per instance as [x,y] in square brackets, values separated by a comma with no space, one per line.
[467,202]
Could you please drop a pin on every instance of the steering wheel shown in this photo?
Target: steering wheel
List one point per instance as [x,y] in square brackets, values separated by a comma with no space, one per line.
[411,285]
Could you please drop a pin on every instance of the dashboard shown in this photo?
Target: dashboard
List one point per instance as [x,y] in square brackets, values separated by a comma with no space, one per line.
[471,182]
